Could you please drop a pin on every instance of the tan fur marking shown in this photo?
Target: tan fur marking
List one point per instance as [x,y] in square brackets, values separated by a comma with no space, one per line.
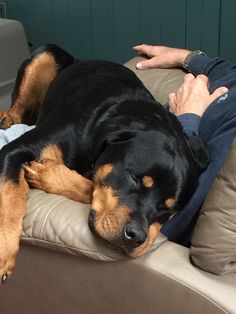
[148,181]
[102,172]
[52,152]
[104,199]
[52,176]
[110,216]
[154,230]
[110,224]
[37,77]
[12,208]
[170,202]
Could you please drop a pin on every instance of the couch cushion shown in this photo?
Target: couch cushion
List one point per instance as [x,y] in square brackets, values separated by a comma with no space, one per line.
[160,82]
[59,223]
[214,240]
[14,50]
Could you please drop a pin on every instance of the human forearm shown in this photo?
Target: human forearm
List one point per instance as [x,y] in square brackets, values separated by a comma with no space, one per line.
[161,56]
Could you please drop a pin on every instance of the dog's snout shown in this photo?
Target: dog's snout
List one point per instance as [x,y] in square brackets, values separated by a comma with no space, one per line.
[134,234]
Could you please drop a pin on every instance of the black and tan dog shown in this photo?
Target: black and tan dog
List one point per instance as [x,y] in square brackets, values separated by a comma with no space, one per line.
[100,138]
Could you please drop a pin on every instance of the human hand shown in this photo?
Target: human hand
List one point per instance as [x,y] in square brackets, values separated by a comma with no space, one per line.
[160,56]
[193,96]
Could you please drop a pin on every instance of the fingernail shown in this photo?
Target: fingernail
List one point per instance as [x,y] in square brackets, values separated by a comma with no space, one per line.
[139,66]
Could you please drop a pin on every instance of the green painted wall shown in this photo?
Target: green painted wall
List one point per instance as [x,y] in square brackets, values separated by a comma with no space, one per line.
[109,28]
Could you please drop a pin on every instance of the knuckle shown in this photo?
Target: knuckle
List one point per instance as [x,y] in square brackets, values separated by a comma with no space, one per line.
[188,77]
[202,77]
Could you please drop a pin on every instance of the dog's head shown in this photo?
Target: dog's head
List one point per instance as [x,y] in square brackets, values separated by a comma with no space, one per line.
[141,178]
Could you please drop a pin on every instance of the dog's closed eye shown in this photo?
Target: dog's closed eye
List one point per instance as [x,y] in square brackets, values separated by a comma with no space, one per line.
[136,180]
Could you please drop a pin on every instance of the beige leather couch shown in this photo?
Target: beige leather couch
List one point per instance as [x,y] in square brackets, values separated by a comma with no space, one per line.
[63,269]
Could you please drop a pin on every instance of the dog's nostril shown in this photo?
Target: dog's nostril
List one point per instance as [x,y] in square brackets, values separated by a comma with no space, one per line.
[134,235]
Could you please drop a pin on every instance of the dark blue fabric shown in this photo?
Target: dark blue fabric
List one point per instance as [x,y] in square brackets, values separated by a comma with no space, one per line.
[190,123]
[217,128]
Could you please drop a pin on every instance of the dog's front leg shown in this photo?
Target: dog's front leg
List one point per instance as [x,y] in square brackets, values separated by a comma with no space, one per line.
[51,177]
[13,196]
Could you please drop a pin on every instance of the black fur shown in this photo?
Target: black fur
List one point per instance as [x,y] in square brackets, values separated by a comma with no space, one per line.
[99,112]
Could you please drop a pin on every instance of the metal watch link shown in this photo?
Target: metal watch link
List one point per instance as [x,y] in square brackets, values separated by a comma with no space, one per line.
[189,57]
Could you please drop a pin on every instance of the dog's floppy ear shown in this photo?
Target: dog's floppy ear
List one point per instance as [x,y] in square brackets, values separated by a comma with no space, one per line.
[109,138]
[200,151]
[120,136]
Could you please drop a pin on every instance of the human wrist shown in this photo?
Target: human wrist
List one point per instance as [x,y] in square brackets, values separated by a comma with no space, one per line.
[189,57]
[182,55]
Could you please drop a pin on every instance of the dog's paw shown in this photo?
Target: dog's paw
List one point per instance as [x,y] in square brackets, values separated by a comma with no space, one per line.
[9,247]
[41,174]
[7,120]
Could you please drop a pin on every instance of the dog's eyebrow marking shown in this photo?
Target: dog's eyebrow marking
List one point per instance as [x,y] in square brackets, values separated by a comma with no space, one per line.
[148,181]
[170,202]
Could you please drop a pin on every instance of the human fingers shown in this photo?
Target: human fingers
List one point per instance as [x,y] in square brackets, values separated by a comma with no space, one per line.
[144,49]
[203,80]
[189,77]
[218,92]
[148,64]
[172,102]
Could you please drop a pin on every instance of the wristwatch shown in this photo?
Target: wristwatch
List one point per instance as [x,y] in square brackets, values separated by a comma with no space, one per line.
[189,57]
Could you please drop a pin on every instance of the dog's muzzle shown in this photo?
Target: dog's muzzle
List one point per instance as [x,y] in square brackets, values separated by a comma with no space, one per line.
[130,236]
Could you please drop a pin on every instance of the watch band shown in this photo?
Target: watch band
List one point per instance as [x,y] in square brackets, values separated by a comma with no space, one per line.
[189,57]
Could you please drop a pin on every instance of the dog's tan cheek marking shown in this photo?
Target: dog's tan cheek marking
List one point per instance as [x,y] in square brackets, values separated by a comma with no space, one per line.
[154,230]
[104,199]
[13,200]
[110,216]
[170,202]
[148,181]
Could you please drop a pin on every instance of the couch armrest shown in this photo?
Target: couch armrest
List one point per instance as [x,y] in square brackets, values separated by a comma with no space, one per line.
[160,282]
[58,223]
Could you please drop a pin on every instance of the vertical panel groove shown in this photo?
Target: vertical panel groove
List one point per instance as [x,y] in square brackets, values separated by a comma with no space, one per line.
[108,28]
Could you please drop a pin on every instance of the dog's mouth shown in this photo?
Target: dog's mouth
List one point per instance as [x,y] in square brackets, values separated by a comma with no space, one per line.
[116,228]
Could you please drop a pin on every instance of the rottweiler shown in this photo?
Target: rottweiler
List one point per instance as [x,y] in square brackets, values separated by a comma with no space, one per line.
[100,138]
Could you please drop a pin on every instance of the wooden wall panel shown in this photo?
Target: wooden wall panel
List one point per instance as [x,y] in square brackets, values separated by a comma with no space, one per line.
[79,31]
[172,22]
[194,31]
[126,27]
[150,21]
[109,28]
[102,29]
[211,26]
[227,42]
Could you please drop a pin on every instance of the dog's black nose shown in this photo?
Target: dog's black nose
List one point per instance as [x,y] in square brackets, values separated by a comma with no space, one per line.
[134,234]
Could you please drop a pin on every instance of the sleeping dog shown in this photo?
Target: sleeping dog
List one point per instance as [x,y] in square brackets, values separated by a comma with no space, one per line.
[100,138]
